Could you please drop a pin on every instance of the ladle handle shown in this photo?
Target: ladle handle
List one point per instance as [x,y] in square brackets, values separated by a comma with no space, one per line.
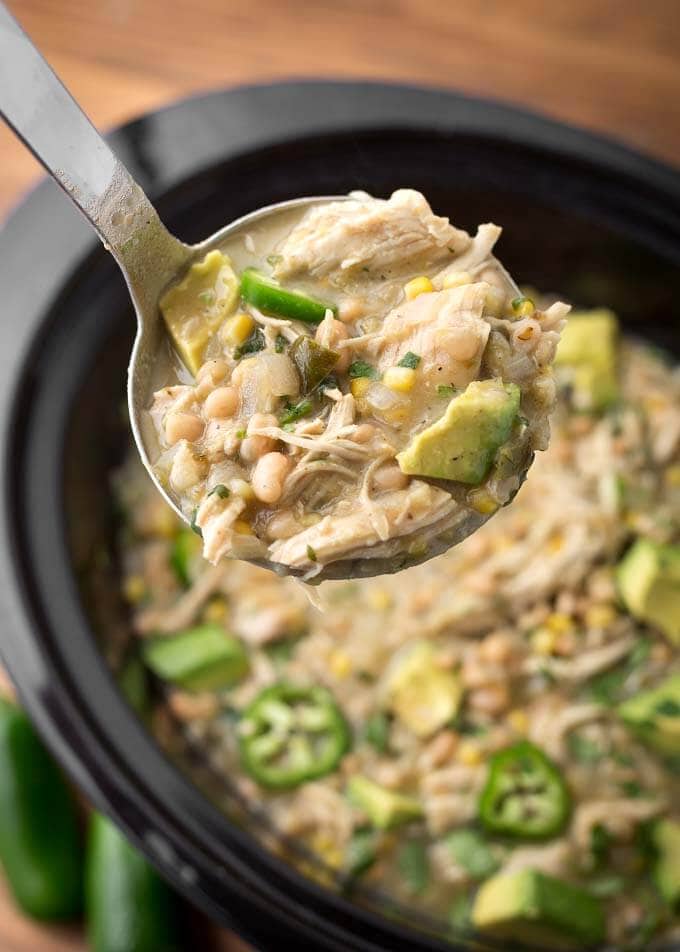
[41,111]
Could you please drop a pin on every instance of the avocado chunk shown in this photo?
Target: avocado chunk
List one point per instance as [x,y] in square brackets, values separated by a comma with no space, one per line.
[205,658]
[423,695]
[666,871]
[648,579]
[194,308]
[528,906]
[462,444]
[385,808]
[655,716]
[587,358]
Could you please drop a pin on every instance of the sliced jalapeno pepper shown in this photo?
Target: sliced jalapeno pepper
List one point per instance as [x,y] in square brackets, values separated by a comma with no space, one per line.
[270,297]
[524,795]
[290,734]
[313,361]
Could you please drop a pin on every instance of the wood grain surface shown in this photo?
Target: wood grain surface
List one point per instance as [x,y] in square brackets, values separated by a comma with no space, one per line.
[612,65]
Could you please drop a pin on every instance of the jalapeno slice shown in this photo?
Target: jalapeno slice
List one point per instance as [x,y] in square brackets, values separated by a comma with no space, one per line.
[290,734]
[267,295]
[524,795]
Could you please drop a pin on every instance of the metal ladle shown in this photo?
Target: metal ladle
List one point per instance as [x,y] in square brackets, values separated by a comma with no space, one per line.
[44,115]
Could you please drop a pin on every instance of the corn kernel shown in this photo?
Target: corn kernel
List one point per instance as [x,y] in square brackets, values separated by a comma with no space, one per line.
[600,616]
[379,599]
[340,663]
[237,329]
[241,527]
[559,623]
[672,475]
[215,610]
[523,307]
[555,542]
[134,589]
[482,502]
[457,279]
[468,753]
[359,386]
[401,379]
[518,720]
[242,488]
[543,641]
[417,286]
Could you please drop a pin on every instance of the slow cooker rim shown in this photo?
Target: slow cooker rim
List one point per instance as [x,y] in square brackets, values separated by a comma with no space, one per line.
[41,706]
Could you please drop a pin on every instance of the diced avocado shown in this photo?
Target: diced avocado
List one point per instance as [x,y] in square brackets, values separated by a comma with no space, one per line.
[666,871]
[655,716]
[195,308]
[648,579]
[200,659]
[528,906]
[587,358]
[462,444]
[422,694]
[385,808]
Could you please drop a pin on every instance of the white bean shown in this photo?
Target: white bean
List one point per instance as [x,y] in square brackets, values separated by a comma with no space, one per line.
[389,478]
[222,402]
[364,433]
[462,343]
[350,310]
[268,477]
[182,426]
[254,446]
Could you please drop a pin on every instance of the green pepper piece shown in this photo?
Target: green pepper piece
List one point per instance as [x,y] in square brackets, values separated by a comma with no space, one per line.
[268,296]
[204,658]
[524,795]
[290,734]
[39,841]
[128,905]
[313,361]
[185,556]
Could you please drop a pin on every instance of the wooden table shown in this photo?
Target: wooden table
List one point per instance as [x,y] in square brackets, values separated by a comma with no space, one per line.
[613,65]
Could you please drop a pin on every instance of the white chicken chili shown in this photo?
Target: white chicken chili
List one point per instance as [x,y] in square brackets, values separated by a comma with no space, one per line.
[368,385]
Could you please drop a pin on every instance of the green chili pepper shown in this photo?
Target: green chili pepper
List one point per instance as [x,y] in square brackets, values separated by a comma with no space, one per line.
[313,361]
[291,734]
[39,841]
[268,296]
[129,907]
[525,795]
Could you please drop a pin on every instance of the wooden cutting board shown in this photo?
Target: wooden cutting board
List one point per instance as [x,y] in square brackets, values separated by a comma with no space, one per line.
[613,65]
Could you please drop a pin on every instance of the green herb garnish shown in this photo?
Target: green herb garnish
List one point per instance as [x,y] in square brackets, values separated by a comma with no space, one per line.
[377,731]
[252,345]
[584,749]
[295,411]
[280,343]
[360,852]
[221,491]
[409,360]
[446,390]
[413,865]
[359,368]
[472,852]
[311,554]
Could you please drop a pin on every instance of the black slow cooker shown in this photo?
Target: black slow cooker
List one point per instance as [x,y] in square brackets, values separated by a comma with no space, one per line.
[584,216]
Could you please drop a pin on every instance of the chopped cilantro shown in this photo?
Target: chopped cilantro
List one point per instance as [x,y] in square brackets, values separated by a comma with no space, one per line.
[377,731]
[446,390]
[294,411]
[252,345]
[220,490]
[472,852]
[280,343]
[413,865]
[360,852]
[584,749]
[359,368]
[409,360]
[668,708]
[311,554]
